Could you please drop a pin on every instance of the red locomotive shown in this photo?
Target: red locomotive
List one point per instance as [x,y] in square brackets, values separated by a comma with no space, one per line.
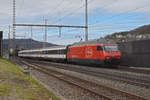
[94,53]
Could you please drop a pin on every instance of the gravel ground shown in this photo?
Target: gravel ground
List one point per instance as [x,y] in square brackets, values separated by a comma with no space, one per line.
[110,70]
[9,98]
[115,84]
[62,89]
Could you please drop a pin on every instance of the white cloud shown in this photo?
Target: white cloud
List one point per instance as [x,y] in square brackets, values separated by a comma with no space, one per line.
[129,6]
[120,6]
[57,8]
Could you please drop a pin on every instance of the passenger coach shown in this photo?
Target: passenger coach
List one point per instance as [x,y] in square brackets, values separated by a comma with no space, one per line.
[51,53]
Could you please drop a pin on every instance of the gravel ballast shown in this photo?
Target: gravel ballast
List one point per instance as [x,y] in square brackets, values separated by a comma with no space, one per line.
[141,91]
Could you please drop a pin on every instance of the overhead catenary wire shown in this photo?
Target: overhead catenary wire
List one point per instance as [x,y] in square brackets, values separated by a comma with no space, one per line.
[114,16]
[137,8]
[78,9]
[72,12]
[97,22]
[83,6]
[62,1]
[59,7]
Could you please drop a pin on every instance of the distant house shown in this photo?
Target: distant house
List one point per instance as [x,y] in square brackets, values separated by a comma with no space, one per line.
[139,36]
[140,33]
[119,36]
[130,36]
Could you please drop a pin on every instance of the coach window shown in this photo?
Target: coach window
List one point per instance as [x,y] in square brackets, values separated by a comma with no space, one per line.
[63,51]
[44,52]
[99,48]
[60,51]
[49,52]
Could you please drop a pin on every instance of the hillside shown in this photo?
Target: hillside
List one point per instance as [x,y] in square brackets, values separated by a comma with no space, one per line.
[25,44]
[140,33]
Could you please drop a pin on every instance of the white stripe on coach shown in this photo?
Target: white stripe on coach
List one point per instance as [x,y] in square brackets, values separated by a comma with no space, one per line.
[43,56]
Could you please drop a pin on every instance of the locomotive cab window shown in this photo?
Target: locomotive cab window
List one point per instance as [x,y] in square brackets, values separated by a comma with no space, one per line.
[99,48]
[111,48]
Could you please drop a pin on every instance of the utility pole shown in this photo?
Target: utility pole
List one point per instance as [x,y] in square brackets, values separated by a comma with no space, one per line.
[25,44]
[14,27]
[9,40]
[31,33]
[86,20]
[45,36]
[59,31]
[25,35]
[31,38]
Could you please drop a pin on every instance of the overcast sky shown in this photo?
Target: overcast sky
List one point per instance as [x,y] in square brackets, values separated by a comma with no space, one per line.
[105,17]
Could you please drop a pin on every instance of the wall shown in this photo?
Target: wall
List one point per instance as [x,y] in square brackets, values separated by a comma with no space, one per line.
[136,53]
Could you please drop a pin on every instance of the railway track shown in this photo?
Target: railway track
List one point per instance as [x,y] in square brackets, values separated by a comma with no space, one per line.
[125,78]
[101,91]
[140,71]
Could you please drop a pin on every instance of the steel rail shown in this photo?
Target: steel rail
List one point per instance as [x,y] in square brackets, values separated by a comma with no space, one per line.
[106,87]
[86,89]
[125,79]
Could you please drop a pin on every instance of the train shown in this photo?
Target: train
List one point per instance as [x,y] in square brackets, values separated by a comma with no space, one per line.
[91,52]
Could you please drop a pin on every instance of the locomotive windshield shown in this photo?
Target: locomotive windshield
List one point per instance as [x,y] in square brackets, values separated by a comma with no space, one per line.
[111,48]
